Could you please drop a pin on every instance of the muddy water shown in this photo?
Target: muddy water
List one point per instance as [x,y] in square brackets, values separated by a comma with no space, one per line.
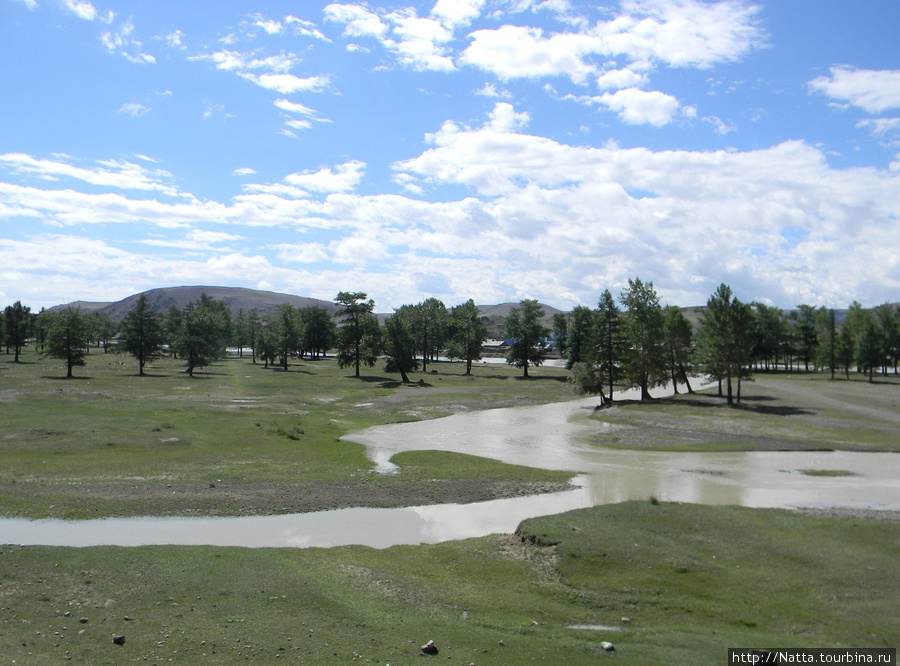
[550,437]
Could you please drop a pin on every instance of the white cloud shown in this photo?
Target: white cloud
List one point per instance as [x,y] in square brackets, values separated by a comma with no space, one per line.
[682,33]
[134,109]
[270,26]
[81,8]
[175,40]
[358,20]
[873,91]
[30,4]
[111,173]
[639,107]
[305,28]
[244,171]
[287,84]
[122,42]
[881,125]
[453,13]
[275,75]
[342,178]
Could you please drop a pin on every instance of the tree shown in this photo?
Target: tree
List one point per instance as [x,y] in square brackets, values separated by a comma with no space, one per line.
[288,330]
[770,333]
[428,326]
[524,327]
[358,335]
[869,348]
[204,332]
[609,345]
[827,335]
[561,332]
[679,346]
[172,323]
[580,337]
[102,328]
[68,335]
[142,333]
[399,344]
[318,331]
[467,334]
[804,318]
[18,320]
[726,332]
[644,332]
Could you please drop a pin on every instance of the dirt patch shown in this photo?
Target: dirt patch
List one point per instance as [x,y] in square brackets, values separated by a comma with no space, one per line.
[225,498]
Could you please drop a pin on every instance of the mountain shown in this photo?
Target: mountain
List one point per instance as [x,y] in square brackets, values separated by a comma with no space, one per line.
[494,317]
[237,298]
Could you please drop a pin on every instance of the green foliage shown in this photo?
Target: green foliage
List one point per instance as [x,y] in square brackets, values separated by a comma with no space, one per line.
[524,327]
[17,320]
[726,338]
[643,330]
[143,334]
[467,334]
[359,335]
[203,332]
[399,345]
[67,337]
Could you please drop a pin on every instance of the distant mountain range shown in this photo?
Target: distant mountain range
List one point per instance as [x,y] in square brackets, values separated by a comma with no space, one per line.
[239,298]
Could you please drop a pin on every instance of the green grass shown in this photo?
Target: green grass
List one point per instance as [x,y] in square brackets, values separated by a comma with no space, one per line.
[232,422]
[777,412]
[692,580]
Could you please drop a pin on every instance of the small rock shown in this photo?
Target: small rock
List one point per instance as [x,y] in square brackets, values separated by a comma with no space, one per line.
[501,643]
[609,647]
[430,648]
[626,620]
[119,640]
[83,620]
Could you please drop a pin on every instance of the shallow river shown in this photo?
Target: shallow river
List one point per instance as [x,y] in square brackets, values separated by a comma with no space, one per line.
[548,436]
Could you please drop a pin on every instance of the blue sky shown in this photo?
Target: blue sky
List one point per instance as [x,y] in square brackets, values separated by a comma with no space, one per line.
[486,149]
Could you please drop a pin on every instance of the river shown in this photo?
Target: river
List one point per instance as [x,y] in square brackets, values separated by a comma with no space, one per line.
[547,436]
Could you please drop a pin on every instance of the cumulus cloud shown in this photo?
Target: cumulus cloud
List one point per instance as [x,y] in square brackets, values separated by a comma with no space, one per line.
[873,91]
[81,8]
[639,107]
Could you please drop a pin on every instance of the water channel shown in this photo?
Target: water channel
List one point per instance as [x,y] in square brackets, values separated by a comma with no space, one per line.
[548,436]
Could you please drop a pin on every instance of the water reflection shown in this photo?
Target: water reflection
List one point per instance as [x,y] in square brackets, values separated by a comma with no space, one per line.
[547,436]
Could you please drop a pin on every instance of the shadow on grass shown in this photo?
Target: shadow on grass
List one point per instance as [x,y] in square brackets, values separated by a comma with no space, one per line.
[63,378]
[754,403]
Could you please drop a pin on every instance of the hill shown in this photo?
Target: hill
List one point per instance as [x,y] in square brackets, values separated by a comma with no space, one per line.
[237,298]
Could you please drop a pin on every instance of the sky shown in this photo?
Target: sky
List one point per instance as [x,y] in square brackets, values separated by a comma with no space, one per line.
[488,149]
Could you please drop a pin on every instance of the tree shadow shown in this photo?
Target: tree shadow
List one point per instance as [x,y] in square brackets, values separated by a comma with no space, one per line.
[63,378]
[757,404]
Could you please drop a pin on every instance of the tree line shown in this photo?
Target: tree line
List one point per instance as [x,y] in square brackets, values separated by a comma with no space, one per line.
[632,342]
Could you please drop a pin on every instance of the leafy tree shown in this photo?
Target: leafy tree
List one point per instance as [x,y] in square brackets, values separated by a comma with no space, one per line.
[399,344]
[561,332]
[845,352]
[318,330]
[869,347]
[102,328]
[172,323]
[252,326]
[18,323]
[770,333]
[204,332]
[68,335]
[726,332]
[827,336]
[804,323]
[468,333]
[288,330]
[266,347]
[643,326]
[609,343]
[142,333]
[524,327]
[580,344]
[586,379]
[679,346]
[358,335]
[428,320]
[885,317]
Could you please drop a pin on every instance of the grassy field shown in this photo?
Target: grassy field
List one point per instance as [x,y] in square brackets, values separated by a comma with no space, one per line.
[805,411]
[237,438]
[691,580]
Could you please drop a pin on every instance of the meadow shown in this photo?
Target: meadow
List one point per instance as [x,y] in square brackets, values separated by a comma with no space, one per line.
[662,582]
